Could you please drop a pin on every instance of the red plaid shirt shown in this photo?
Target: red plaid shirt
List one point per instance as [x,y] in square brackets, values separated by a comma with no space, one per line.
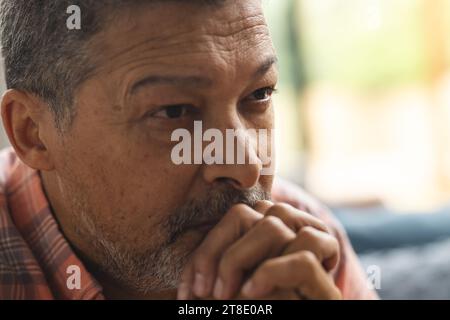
[35,257]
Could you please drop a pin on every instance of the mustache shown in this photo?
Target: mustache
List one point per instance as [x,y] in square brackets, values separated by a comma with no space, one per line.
[211,208]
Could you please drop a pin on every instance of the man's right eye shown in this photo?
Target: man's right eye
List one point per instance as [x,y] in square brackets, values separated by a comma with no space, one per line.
[172,112]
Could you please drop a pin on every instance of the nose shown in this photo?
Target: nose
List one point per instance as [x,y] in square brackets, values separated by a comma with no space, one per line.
[240,174]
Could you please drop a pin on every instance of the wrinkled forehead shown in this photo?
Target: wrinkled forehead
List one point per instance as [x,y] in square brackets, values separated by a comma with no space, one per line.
[171,29]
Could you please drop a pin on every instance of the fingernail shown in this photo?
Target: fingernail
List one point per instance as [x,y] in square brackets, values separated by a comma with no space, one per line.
[218,289]
[199,284]
[247,289]
[183,292]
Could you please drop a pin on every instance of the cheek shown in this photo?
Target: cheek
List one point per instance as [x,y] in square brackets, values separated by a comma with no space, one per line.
[129,181]
[134,195]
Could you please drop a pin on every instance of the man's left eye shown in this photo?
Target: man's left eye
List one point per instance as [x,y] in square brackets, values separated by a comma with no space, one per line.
[262,94]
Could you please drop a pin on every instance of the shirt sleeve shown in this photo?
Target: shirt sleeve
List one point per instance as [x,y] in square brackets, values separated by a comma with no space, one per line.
[349,275]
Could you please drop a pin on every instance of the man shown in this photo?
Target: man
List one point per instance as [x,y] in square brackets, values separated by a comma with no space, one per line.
[93,205]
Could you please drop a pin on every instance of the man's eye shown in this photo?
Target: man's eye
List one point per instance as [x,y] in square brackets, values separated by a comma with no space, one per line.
[172,112]
[263,94]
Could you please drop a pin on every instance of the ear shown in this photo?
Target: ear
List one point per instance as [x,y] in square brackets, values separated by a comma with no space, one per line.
[22,116]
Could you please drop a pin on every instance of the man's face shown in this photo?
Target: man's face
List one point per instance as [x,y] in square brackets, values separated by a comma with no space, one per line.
[133,212]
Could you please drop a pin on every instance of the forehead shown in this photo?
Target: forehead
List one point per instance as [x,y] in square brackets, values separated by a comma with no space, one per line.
[183,33]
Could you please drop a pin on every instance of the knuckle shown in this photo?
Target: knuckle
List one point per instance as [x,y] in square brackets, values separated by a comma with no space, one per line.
[308,220]
[307,233]
[334,243]
[239,219]
[271,222]
[237,211]
[279,207]
[331,241]
[274,225]
[301,218]
[307,260]
[241,212]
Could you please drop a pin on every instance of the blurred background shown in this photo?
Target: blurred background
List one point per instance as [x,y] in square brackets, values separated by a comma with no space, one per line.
[363,123]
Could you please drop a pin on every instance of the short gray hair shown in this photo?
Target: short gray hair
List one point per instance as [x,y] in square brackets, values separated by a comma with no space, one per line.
[43,57]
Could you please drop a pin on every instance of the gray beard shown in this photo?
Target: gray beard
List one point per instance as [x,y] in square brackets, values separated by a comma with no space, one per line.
[160,269]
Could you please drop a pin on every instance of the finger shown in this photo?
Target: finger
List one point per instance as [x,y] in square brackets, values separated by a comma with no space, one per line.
[268,238]
[300,271]
[324,246]
[184,291]
[263,205]
[295,219]
[199,274]
[277,294]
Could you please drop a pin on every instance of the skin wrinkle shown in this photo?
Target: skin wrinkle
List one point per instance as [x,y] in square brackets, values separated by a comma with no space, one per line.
[139,63]
[131,83]
[165,42]
[210,40]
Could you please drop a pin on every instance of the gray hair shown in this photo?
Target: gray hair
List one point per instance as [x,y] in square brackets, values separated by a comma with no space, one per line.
[43,57]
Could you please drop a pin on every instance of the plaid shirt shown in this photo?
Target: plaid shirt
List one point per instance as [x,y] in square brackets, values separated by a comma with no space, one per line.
[35,258]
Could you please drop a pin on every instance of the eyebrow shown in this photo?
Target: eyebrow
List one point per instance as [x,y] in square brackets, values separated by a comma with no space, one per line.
[195,81]
[265,66]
